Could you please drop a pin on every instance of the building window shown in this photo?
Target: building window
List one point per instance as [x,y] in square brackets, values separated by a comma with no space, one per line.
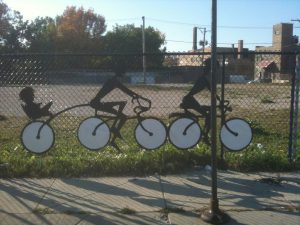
[276,32]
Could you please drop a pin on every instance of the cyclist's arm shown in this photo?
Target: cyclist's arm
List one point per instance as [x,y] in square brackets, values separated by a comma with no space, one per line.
[126,90]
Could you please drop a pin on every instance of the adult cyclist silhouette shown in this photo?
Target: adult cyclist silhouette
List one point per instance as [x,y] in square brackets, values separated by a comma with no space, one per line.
[189,101]
[116,107]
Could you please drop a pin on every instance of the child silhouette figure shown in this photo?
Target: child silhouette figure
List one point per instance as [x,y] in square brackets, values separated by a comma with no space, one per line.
[33,110]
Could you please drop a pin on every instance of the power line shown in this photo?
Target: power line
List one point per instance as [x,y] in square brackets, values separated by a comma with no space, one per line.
[122,19]
[229,43]
[176,22]
[198,25]
[260,44]
[205,25]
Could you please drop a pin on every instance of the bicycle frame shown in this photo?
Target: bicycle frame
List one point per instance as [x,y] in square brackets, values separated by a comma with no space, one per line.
[195,117]
[57,114]
[138,116]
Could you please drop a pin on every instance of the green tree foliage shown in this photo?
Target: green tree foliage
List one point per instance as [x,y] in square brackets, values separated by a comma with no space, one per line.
[41,35]
[78,30]
[128,39]
[4,20]
[12,29]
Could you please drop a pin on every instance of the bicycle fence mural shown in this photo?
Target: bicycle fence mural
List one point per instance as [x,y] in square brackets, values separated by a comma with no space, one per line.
[105,100]
[150,133]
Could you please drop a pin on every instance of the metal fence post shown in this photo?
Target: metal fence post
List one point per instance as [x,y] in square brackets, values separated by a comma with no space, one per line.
[222,107]
[214,214]
[294,112]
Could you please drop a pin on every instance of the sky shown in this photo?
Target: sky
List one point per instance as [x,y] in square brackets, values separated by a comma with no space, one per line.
[247,20]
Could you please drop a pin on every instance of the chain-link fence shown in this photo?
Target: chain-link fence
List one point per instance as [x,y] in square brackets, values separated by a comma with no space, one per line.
[256,84]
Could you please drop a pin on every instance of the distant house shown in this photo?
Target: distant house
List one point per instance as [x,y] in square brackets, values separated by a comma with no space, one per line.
[277,68]
[238,62]
[270,67]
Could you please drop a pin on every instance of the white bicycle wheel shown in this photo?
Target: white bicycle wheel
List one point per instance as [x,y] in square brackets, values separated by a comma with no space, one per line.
[236,134]
[93,133]
[37,137]
[150,133]
[184,133]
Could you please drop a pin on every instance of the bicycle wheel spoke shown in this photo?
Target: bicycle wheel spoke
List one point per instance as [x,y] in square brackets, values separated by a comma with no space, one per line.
[150,133]
[184,133]
[236,134]
[37,137]
[93,133]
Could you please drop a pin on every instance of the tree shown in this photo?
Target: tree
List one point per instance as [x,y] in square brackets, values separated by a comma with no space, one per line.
[128,39]
[12,29]
[79,30]
[4,19]
[41,35]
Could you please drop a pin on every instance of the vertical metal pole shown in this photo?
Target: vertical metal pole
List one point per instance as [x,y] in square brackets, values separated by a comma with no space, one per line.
[222,107]
[214,214]
[214,197]
[203,47]
[296,106]
[291,116]
[292,151]
[204,33]
[144,49]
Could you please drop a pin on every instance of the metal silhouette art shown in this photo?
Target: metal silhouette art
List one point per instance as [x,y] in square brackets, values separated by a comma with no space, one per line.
[116,108]
[189,101]
[95,132]
[33,110]
[150,133]
[185,131]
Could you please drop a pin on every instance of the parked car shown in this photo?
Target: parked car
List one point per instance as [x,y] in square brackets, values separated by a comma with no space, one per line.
[238,79]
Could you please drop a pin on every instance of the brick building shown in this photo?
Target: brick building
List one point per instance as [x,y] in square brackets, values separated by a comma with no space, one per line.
[277,68]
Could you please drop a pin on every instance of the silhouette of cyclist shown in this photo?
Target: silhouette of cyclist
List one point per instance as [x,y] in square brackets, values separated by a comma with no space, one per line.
[189,101]
[32,109]
[117,107]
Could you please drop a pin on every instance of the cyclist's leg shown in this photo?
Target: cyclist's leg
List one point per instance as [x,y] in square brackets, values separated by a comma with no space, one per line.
[189,102]
[120,121]
[120,117]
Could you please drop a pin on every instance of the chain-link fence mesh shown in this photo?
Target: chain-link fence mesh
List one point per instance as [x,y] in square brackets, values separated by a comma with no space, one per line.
[257,86]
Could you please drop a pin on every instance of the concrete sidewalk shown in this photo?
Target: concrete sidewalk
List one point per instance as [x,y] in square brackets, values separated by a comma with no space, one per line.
[173,199]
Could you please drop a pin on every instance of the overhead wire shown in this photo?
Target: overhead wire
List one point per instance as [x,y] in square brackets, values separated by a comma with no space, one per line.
[204,25]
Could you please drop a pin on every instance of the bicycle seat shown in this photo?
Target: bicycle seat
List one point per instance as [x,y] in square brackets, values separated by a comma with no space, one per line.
[186,113]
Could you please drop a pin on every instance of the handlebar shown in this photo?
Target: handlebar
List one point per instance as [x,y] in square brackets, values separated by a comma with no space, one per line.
[226,106]
[140,108]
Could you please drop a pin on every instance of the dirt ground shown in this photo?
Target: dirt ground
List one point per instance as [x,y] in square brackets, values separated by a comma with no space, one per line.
[165,99]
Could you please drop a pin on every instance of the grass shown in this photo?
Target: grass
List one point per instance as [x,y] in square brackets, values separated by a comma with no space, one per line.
[67,158]
[266,100]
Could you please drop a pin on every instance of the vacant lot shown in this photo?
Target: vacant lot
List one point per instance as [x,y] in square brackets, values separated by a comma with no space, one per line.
[165,98]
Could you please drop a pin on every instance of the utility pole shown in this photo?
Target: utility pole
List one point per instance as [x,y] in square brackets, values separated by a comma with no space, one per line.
[203,42]
[214,215]
[144,49]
